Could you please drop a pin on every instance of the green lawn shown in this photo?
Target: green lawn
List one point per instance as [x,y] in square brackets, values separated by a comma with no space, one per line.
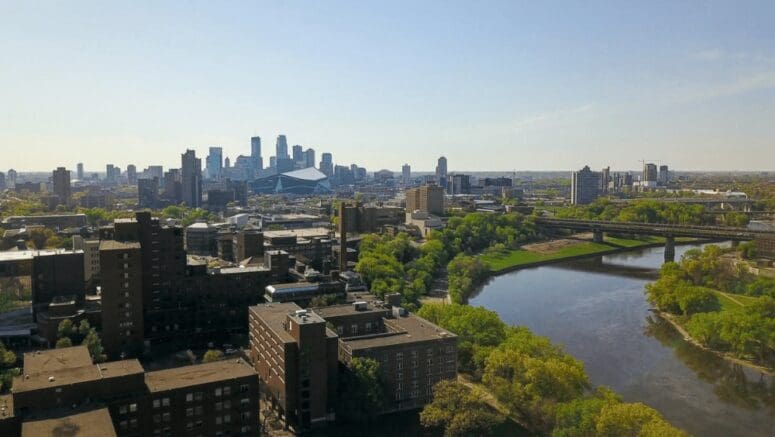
[520,256]
[732,302]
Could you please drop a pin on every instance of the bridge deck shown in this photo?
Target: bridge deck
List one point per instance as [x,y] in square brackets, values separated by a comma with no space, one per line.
[662,230]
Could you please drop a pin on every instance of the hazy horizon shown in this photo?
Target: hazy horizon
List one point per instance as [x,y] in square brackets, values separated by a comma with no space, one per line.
[498,86]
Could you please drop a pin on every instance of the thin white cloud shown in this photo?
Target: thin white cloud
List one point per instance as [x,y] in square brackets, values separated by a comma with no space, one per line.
[708,55]
[551,118]
[745,73]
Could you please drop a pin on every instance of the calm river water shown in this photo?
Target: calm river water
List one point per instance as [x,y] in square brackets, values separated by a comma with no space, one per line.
[597,309]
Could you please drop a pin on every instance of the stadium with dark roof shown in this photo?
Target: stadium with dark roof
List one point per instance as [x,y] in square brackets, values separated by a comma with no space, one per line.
[305,181]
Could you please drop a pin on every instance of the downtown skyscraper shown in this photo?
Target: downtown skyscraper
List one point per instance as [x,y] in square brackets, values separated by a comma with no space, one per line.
[255,154]
[281,148]
[441,172]
[327,164]
[214,163]
[191,169]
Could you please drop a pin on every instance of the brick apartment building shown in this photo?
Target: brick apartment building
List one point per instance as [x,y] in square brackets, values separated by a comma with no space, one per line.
[62,391]
[413,353]
[172,302]
[428,198]
[296,354]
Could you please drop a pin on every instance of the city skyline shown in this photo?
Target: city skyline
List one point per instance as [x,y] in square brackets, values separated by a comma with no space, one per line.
[536,87]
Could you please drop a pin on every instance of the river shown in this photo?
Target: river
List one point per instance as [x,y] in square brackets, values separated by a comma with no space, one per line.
[597,309]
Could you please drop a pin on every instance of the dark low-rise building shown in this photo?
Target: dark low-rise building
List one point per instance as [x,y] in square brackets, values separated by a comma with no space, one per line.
[58,221]
[62,387]
[285,340]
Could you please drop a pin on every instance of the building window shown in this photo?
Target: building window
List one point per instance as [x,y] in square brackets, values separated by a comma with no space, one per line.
[218,406]
[226,405]
[218,392]
[189,412]
[227,418]
[218,420]
[198,395]
[132,408]
[244,388]
[245,415]
[157,418]
[166,417]
[244,401]
[189,397]
[227,391]
[122,409]
[340,330]
[368,327]
[165,402]
[198,410]
[354,329]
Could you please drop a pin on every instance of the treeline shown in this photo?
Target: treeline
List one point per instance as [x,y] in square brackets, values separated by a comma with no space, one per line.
[399,265]
[650,211]
[8,368]
[688,289]
[396,265]
[544,388]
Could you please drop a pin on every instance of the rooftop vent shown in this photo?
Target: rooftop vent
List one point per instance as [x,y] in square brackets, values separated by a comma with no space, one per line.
[51,379]
[300,313]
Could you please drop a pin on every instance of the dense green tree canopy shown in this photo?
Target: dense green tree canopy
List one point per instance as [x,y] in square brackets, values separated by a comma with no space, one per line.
[459,411]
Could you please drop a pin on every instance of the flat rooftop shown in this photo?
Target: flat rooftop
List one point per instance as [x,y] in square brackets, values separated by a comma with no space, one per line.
[21,255]
[242,269]
[402,330]
[45,216]
[75,375]
[197,374]
[274,315]
[348,309]
[72,365]
[95,423]
[319,232]
[118,245]
[291,287]
[289,216]
[56,359]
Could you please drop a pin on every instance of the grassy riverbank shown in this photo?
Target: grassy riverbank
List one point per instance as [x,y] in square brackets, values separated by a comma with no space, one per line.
[524,257]
[718,306]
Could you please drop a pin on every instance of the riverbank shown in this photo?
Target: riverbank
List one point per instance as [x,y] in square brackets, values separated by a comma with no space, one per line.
[522,258]
[724,355]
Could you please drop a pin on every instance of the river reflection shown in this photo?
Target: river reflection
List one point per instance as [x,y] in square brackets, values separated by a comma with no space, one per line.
[597,309]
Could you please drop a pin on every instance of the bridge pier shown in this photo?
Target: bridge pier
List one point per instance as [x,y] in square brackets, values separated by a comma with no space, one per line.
[669,249]
[597,236]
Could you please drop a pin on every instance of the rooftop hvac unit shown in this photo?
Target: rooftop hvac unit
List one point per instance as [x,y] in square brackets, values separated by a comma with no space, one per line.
[300,313]
[398,312]
[360,305]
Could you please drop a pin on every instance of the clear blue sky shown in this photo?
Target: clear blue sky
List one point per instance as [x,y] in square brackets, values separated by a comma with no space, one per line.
[491,85]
